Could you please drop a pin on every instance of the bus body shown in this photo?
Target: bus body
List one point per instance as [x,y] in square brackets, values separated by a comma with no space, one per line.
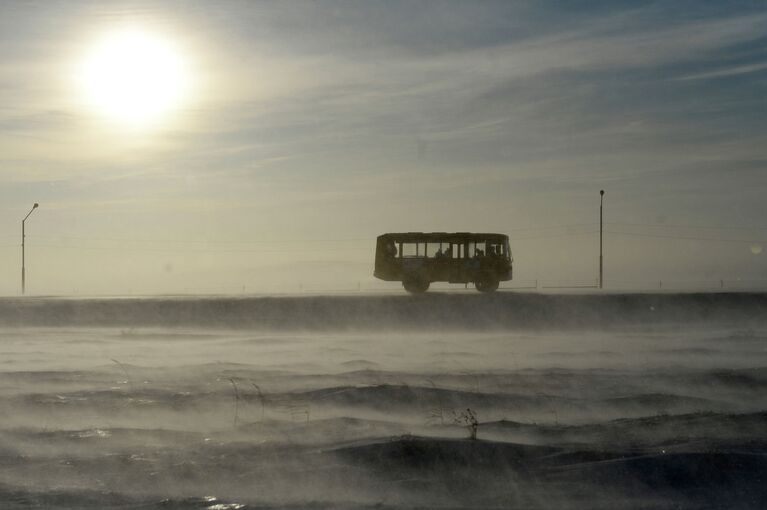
[418,259]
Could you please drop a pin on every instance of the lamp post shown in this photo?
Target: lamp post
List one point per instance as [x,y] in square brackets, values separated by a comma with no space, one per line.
[601,197]
[23,236]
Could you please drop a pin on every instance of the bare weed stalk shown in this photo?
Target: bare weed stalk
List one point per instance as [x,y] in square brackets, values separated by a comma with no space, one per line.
[236,392]
[261,399]
[468,419]
[127,375]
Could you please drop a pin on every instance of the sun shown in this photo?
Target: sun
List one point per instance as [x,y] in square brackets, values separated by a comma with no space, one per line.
[134,77]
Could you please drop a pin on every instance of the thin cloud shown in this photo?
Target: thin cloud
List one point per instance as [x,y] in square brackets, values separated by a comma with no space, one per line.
[730,71]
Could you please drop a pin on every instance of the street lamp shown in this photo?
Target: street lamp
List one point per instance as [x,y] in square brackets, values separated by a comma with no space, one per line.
[23,235]
[601,196]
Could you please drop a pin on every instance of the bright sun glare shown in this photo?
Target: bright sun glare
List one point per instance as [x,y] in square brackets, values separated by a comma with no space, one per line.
[134,77]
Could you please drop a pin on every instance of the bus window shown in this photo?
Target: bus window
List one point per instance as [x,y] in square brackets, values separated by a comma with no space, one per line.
[439,250]
[477,249]
[412,249]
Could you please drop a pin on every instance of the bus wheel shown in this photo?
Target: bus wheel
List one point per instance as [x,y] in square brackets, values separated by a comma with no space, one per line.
[486,283]
[415,284]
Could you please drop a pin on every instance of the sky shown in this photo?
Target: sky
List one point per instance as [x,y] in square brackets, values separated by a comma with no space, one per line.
[300,131]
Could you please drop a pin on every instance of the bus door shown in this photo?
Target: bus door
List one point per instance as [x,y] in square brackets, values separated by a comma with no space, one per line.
[412,255]
[438,253]
[475,256]
[458,263]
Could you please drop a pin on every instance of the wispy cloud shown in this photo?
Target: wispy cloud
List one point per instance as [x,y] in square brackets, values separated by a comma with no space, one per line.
[729,71]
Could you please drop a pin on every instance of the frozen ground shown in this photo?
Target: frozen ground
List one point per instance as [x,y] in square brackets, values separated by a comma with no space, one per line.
[581,402]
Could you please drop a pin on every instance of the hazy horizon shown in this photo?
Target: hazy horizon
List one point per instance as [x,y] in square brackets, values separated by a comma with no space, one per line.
[295,133]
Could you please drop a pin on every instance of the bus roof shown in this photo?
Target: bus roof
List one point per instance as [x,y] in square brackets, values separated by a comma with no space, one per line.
[444,237]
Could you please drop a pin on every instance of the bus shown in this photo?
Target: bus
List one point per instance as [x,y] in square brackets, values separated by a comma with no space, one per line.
[418,258]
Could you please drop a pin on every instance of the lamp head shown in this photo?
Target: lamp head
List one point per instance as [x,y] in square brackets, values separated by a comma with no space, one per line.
[35,206]
[601,192]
